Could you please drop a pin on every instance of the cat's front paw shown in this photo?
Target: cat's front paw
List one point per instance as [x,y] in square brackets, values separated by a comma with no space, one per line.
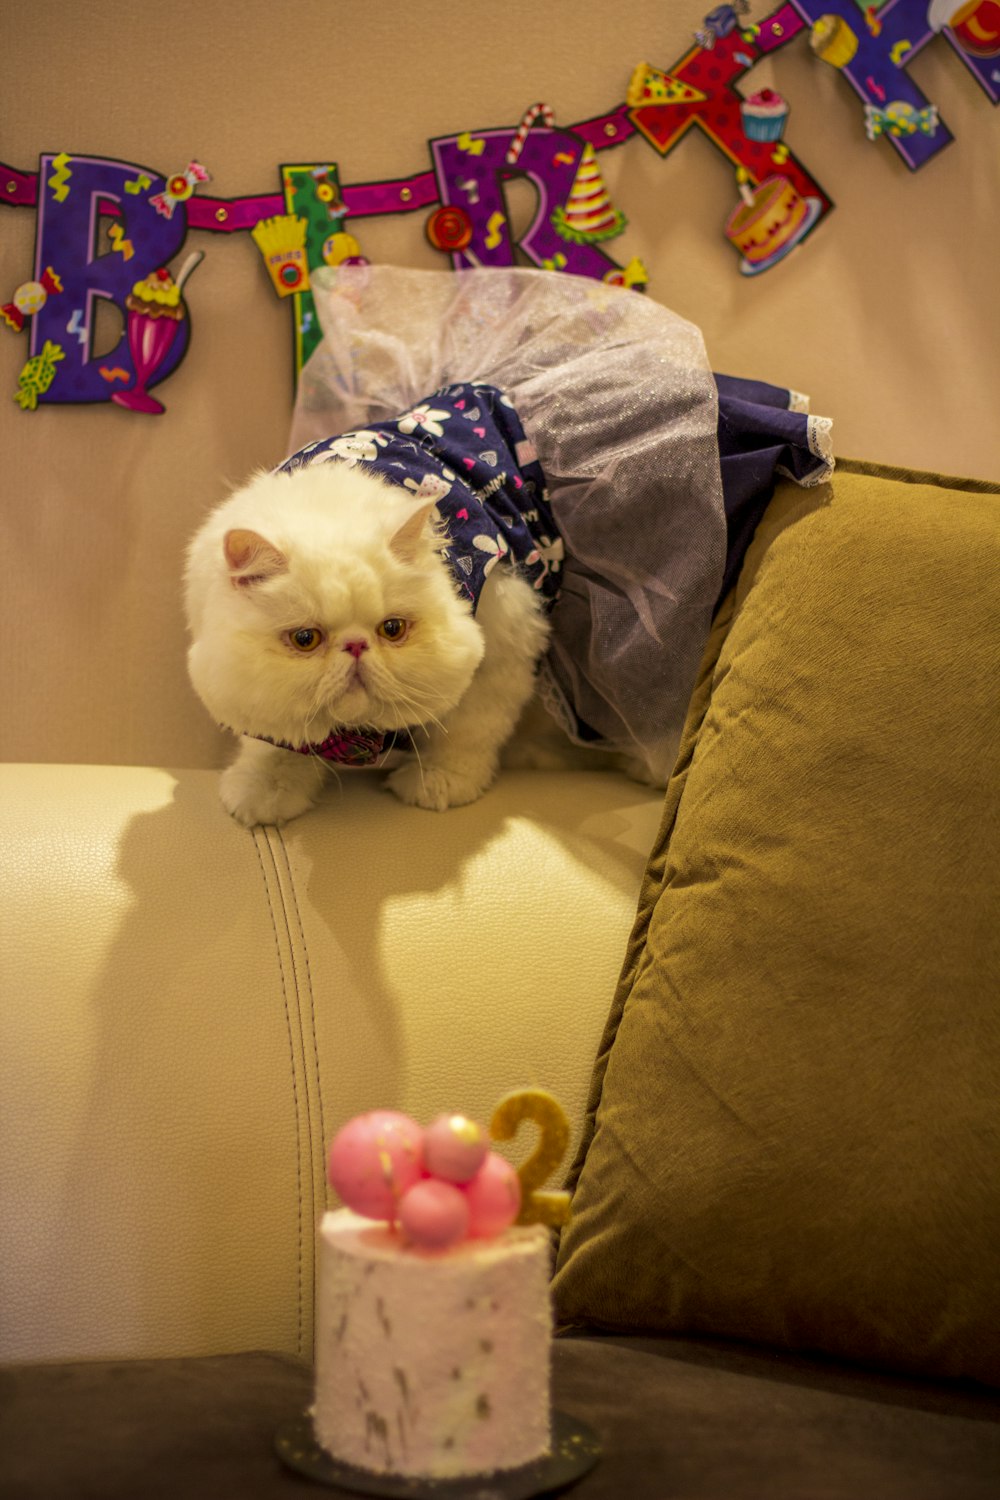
[437,787]
[253,798]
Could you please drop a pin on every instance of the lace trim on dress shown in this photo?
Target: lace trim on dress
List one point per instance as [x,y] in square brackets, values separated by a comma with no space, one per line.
[819,436]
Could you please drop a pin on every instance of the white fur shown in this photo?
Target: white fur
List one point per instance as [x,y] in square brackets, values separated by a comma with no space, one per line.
[347,560]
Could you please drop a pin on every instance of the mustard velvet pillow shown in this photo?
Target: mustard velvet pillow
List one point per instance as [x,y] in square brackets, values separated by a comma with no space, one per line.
[794,1129]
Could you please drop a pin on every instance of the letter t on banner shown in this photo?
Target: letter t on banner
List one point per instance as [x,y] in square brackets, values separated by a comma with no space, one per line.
[699,92]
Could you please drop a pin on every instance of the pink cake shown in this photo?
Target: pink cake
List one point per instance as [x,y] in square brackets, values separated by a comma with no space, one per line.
[433,1323]
[432,1363]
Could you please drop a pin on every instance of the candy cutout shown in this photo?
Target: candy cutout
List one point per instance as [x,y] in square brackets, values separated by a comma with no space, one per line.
[37,375]
[449,228]
[455,1147]
[374,1160]
[900,119]
[30,297]
[533,113]
[434,1214]
[179,188]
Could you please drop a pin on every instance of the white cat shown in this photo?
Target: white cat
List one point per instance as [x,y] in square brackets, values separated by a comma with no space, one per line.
[319,601]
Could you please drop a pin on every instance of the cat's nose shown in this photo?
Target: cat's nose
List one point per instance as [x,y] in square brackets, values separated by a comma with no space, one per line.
[355,648]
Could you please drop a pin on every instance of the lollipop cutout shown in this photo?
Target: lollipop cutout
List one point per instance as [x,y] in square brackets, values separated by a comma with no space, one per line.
[449,228]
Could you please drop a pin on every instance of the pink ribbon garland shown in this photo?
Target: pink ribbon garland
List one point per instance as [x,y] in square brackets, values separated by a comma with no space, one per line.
[361,200]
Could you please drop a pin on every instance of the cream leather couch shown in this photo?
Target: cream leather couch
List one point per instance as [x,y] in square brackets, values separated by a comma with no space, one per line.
[190,1010]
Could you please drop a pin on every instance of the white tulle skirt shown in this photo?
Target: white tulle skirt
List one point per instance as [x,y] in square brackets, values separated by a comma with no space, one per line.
[617,395]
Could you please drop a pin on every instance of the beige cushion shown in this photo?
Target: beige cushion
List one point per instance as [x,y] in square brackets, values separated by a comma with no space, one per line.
[795,1117]
[189,1011]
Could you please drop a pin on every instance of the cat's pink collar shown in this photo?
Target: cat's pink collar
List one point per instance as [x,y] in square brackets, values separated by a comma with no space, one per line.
[350,747]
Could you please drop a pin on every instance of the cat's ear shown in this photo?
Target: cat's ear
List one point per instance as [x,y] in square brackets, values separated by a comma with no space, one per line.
[251,558]
[407,540]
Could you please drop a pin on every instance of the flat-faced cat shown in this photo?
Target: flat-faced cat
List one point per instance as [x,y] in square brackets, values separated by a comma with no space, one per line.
[331,619]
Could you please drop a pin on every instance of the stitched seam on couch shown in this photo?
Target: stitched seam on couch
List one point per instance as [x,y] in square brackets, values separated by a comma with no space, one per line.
[258,835]
[310,991]
[304,996]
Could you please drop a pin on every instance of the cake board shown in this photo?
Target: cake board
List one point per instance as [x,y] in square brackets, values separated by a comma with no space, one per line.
[575,1451]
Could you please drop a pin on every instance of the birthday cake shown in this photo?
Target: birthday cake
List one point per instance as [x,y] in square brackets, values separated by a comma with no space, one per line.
[433,1326]
[432,1364]
[769,222]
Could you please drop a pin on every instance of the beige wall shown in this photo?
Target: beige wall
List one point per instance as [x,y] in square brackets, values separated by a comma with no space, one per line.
[888,315]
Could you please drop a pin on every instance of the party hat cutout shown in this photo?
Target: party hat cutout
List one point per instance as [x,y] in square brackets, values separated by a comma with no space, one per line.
[589,215]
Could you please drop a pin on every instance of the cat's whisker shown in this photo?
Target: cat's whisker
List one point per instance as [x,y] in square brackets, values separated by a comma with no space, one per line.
[329,769]
[420,764]
[422,716]
[421,713]
[394,705]
[329,766]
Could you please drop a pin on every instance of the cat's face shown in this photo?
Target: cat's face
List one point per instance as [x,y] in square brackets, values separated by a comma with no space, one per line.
[319,600]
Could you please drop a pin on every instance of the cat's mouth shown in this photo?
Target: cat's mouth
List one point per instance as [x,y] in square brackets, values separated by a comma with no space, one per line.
[356,679]
[355,692]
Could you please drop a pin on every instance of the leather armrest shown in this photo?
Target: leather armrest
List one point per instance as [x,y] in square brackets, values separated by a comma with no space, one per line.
[190,1010]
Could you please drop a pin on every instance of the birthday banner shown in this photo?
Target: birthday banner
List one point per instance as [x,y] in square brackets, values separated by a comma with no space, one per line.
[109,229]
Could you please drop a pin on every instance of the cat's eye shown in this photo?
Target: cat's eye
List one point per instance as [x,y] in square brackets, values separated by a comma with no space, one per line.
[305,639]
[393,629]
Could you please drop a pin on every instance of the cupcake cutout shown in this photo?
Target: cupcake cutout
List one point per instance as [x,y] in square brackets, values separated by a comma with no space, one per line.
[764,115]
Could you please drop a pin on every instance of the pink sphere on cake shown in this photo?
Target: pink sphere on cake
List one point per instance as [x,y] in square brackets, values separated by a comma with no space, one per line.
[374,1159]
[455,1147]
[433,1214]
[494,1197]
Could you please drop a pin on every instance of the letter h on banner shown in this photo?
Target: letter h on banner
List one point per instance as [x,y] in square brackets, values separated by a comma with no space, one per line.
[873,48]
